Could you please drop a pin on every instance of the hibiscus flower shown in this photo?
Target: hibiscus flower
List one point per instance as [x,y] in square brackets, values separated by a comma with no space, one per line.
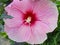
[32,20]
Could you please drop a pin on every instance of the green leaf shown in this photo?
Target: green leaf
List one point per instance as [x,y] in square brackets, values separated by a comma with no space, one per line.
[5,16]
[1,8]
[3,35]
[3,1]
[58,3]
[1,28]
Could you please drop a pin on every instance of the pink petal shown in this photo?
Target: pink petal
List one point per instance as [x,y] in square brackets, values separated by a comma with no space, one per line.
[21,34]
[41,27]
[23,5]
[17,16]
[38,33]
[47,12]
[51,22]
[12,32]
[25,34]
[37,38]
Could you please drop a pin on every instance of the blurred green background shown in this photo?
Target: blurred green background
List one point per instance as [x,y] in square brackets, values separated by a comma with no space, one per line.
[53,38]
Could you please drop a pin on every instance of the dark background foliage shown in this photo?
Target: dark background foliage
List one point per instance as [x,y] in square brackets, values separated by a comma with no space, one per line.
[53,37]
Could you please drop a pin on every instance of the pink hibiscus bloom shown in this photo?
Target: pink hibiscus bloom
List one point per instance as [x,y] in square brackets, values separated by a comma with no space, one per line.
[33,19]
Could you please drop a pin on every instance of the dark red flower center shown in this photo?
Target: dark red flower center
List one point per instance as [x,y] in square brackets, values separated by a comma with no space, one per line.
[29,18]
